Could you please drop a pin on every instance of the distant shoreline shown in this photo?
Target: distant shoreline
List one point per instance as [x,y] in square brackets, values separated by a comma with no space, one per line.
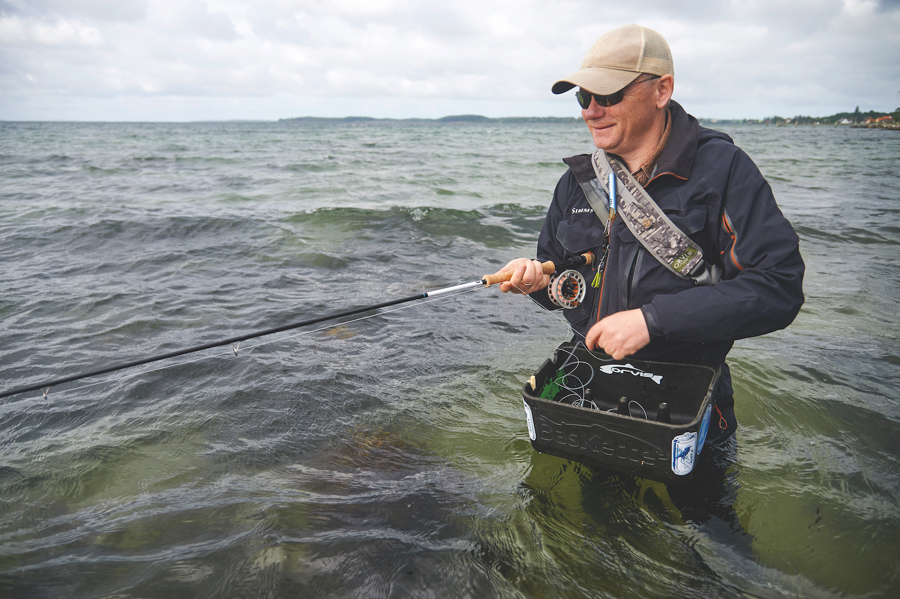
[460,118]
[888,126]
[476,119]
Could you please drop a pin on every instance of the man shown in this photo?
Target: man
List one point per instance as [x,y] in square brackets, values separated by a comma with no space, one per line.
[706,186]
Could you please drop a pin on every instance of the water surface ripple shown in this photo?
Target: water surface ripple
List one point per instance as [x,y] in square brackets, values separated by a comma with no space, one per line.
[388,456]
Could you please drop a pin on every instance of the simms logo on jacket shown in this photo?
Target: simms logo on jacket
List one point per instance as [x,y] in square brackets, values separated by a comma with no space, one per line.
[629,369]
[580,210]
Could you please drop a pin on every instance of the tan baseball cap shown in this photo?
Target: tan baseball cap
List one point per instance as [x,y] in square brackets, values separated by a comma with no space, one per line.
[618,58]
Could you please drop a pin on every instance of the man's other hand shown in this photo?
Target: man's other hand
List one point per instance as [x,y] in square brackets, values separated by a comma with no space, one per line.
[620,334]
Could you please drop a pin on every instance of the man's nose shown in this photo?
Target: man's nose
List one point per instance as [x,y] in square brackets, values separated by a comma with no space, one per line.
[594,111]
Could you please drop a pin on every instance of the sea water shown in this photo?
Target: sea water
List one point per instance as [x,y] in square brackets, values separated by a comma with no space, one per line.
[388,455]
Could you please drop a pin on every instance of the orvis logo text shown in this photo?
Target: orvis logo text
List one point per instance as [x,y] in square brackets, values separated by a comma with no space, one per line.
[629,369]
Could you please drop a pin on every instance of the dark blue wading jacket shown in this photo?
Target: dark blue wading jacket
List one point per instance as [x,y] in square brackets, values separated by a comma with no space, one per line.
[714,193]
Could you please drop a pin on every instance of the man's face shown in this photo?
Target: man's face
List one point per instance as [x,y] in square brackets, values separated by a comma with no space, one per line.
[625,128]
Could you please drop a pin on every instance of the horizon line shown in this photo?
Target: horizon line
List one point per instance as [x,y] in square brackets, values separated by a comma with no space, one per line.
[455,118]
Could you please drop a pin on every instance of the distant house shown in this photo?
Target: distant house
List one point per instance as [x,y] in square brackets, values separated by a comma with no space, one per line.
[884,119]
[844,122]
[869,120]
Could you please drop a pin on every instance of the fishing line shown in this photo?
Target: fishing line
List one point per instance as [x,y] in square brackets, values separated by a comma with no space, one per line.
[555,314]
[260,344]
[579,392]
[446,294]
[638,405]
[548,267]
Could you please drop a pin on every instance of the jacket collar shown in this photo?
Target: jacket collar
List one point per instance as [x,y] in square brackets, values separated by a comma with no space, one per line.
[677,157]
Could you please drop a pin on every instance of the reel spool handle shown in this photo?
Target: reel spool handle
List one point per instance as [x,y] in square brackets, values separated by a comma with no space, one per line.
[549,268]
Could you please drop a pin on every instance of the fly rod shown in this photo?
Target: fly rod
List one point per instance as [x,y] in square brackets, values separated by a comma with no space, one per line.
[549,267]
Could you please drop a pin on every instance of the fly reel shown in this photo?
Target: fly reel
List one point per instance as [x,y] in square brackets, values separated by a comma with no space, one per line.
[567,289]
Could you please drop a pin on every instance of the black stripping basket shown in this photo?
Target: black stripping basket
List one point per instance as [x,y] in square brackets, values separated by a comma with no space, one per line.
[593,409]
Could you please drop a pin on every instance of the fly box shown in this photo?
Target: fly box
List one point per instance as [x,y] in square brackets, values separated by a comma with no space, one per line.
[647,419]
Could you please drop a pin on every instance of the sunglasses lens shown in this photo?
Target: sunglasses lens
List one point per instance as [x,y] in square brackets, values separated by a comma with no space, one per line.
[613,99]
[583,97]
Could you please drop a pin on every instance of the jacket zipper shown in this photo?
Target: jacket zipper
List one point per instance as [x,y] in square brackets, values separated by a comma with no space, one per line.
[630,283]
[727,222]
[602,286]
[604,263]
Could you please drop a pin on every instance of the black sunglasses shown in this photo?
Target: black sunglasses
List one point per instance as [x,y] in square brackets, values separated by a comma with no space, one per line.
[584,96]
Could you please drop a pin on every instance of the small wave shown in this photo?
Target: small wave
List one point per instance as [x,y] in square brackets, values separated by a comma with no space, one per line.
[103,172]
[312,167]
[321,260]
[500,229]
[850,235]
[517,210]
[867,237]
[810,233]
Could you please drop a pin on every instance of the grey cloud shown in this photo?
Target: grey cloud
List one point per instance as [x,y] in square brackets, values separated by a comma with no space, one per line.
[729,55]
[215,26]
[440,21]
[283,26]
[101,10]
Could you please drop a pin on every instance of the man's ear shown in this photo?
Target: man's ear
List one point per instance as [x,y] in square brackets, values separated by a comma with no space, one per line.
[664,88]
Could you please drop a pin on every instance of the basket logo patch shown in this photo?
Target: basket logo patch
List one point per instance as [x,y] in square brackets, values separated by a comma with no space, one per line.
[530,419]
[684,449]
[629,369]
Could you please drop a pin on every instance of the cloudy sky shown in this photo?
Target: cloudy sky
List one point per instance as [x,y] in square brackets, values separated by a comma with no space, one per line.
[177,60]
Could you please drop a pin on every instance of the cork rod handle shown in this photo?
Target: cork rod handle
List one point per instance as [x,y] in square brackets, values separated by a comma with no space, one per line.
[549,268]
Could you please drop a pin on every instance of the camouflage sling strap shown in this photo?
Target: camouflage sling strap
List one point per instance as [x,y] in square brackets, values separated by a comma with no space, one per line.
[649,224]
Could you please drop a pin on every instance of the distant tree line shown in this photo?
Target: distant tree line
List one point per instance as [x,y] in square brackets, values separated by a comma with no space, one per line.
[856,116]
[459,118]
[853,117]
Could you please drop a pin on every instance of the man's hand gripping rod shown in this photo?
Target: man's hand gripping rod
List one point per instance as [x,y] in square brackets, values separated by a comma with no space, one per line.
[549,267]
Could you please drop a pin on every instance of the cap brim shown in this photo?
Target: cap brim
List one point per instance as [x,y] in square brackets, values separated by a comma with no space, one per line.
[596,80]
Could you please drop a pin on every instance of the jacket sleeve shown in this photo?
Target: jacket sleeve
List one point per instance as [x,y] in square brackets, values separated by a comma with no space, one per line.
[548,246]
[761,290]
